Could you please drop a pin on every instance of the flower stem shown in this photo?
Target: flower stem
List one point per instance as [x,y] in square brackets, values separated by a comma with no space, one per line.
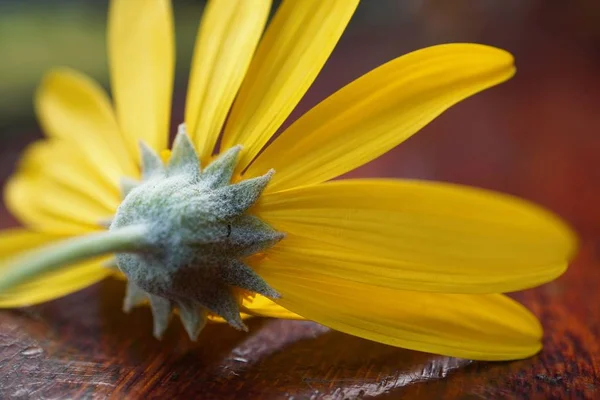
[70,251]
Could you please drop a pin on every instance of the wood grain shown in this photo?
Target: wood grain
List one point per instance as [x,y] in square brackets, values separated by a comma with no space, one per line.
[537,137]
[82,346]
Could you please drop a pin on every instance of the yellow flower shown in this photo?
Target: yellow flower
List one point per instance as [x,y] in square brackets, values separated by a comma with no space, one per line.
[414,264]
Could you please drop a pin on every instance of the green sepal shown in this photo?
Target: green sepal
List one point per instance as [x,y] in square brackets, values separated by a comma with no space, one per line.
[234,200]
[152,165]
[193,317]
[184,159]
[220,171]
[239,274]
[127,185]
[199,231]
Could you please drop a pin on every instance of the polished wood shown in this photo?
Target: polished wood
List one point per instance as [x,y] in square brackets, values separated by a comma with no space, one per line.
[537,137]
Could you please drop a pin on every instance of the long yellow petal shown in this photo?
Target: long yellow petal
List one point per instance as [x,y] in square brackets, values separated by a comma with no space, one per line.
[48,286]
[141,50]
[378,111]
[227,37]
[481,327]
[72,107]
[56,189]
[416,235]
[261,306]
[296,45]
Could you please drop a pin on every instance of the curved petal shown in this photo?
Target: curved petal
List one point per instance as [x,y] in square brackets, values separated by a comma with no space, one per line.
[72,107]
[56,189]
[141,51]
[261,306]
[48,286]
[296,45]
[227,37]
[480,327]
[378,111]
[413,235]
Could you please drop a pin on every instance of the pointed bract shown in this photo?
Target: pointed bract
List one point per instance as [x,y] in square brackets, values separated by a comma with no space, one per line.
[218,299]
[126,185]
[234,200]
[134,296]
[152,165]
[239,274]
[219,172]
[184,159]
[249,235]
[202,217]
[193,316]
[161,314]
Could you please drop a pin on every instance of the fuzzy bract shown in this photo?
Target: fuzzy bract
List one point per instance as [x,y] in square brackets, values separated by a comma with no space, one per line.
[199,232]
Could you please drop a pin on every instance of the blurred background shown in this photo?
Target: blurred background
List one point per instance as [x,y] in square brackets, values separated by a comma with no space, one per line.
[536,136]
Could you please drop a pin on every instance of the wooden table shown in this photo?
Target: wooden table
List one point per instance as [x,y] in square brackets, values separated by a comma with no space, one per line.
[537,137]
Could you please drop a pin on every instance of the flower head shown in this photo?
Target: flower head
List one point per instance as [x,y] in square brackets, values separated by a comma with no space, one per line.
[256,229]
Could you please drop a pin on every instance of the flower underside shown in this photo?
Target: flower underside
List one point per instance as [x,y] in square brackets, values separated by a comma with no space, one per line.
[199,231]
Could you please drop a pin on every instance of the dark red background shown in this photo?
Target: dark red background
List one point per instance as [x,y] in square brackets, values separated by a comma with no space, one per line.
[537,136]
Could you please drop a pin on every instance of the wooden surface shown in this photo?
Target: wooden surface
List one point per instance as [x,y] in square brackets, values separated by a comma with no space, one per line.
[82,346]
[537,137]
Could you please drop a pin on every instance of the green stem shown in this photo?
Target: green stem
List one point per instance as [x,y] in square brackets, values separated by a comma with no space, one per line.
[70,251]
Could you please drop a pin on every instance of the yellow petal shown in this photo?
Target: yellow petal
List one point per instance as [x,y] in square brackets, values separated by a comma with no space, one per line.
[48,286]
[481,327]
[141,55]
[74,108]
[378,111]
[261,306]
[227,37]
[15,241]
[217,319]
[57,189]
[416,235]
[296,45]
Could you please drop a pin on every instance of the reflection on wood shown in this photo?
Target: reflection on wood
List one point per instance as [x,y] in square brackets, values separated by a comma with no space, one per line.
[538,137]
